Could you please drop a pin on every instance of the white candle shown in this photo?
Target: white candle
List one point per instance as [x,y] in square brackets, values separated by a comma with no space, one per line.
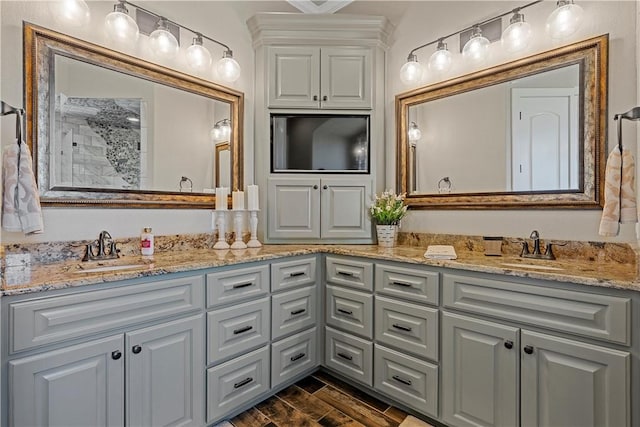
[221,198]
[252,203]
[238,200]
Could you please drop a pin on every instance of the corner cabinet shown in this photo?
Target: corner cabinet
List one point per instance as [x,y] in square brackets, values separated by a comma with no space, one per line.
[309,208]
[319,77]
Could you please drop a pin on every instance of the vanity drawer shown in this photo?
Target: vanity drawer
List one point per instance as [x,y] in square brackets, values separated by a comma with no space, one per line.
[293,311]
[238,284]
[408,327]
[349,272]
[293,356]
[350,310]
[349,355]
[407,379]
[49,320]
[290,274]
[593,315]
[238,328]
[236,382]
[411,283]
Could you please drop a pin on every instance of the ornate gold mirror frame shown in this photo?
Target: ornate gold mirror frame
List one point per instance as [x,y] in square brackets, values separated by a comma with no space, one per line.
[40,47]
[592,58]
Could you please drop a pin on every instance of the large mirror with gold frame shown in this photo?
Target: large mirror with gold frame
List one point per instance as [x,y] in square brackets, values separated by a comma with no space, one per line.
[529,133]
[111,130]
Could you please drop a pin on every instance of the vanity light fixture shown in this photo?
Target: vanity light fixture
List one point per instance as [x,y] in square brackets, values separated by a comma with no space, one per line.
[221,130]
[414,132]
[122,28]
[562,22]
[74,13]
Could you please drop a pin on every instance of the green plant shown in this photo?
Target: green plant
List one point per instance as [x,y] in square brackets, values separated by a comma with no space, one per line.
[388,208]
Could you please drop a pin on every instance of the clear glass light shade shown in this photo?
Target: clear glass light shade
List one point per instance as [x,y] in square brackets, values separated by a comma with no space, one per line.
[198,57]
[440,60]
[221,131]
[517,36]
[476,49]
[121,28]
[565,20]
[414,132]
[74,13]
[163,44]
[411,72]
[228,69]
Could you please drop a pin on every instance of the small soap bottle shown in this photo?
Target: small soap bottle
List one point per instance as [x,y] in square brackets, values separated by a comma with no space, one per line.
[146,241]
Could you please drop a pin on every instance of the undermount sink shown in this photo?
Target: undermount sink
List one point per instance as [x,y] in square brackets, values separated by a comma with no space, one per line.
[533,266]
[109,268]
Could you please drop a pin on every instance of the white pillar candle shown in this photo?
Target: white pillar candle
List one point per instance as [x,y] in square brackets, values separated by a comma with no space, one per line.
[237,197]
[252,203]
[221,198]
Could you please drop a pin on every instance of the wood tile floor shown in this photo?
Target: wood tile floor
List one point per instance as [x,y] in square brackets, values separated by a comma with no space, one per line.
[320,400]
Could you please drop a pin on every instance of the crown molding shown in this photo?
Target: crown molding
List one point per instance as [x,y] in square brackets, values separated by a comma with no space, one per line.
[329,6]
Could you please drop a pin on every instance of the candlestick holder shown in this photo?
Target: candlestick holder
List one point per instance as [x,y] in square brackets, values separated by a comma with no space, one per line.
[253,224]
[237,223]
[222,229]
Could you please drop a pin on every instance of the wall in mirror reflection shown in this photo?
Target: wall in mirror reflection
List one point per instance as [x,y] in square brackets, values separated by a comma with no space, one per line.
[521,135]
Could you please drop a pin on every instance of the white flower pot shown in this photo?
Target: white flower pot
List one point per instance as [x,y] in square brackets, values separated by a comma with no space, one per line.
[387,235]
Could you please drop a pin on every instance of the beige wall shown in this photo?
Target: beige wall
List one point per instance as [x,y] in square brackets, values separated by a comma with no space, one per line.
[424,21]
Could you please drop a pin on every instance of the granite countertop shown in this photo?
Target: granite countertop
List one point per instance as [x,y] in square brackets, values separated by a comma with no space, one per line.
[28,278]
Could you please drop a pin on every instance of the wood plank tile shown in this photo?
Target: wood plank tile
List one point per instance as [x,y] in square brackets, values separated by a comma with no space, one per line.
[396,414]
[354,408]
[336,418]
[250,418]
[352,391]
[283,414]
[310,384]
[304,402]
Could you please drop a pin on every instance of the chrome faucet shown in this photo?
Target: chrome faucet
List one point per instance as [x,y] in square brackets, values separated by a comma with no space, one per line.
[547,254]
[102,248]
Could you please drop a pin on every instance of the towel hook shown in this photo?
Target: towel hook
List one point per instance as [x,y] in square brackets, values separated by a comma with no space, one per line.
[633,114]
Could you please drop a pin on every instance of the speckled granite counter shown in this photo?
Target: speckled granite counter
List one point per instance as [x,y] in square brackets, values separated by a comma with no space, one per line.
[26,278]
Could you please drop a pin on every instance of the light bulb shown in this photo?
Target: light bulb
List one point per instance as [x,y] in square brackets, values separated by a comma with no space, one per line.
[74,13]
[163,44]
[120,27]
[477,48]
[414,132]
[411,71]
[440,60]
[228,68]
[198,56]
[517,35]
[565,20]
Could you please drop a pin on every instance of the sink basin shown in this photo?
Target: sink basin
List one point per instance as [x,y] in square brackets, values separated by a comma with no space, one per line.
[110,268]
[532,266]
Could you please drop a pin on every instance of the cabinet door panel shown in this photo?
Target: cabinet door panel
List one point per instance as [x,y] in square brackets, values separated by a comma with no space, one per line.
[479,373]
[294,208]
[344,209]
[569,383]
[77,386]
[293,311]
[165,379]
[346,78]
[294,77]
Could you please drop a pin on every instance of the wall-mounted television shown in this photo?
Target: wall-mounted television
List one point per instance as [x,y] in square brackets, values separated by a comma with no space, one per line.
[320,143]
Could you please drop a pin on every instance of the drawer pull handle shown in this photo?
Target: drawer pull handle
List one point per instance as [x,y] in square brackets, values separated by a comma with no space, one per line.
[297,357]
[402,328]
[508,345]
[242,330]
[242,285]
[115,355]
[406,285]
[296,274]
[136,349]
[243,383]
[345,356]
[346,273]
[401,380]
[296,312]
[528,349]
[347,312]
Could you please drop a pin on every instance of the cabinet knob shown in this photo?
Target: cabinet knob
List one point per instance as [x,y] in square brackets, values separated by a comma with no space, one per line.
[508,344]
[528,349]
[324,98]
[315,97]
[136,349]
[324,187]
[115,355]
[315,187]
